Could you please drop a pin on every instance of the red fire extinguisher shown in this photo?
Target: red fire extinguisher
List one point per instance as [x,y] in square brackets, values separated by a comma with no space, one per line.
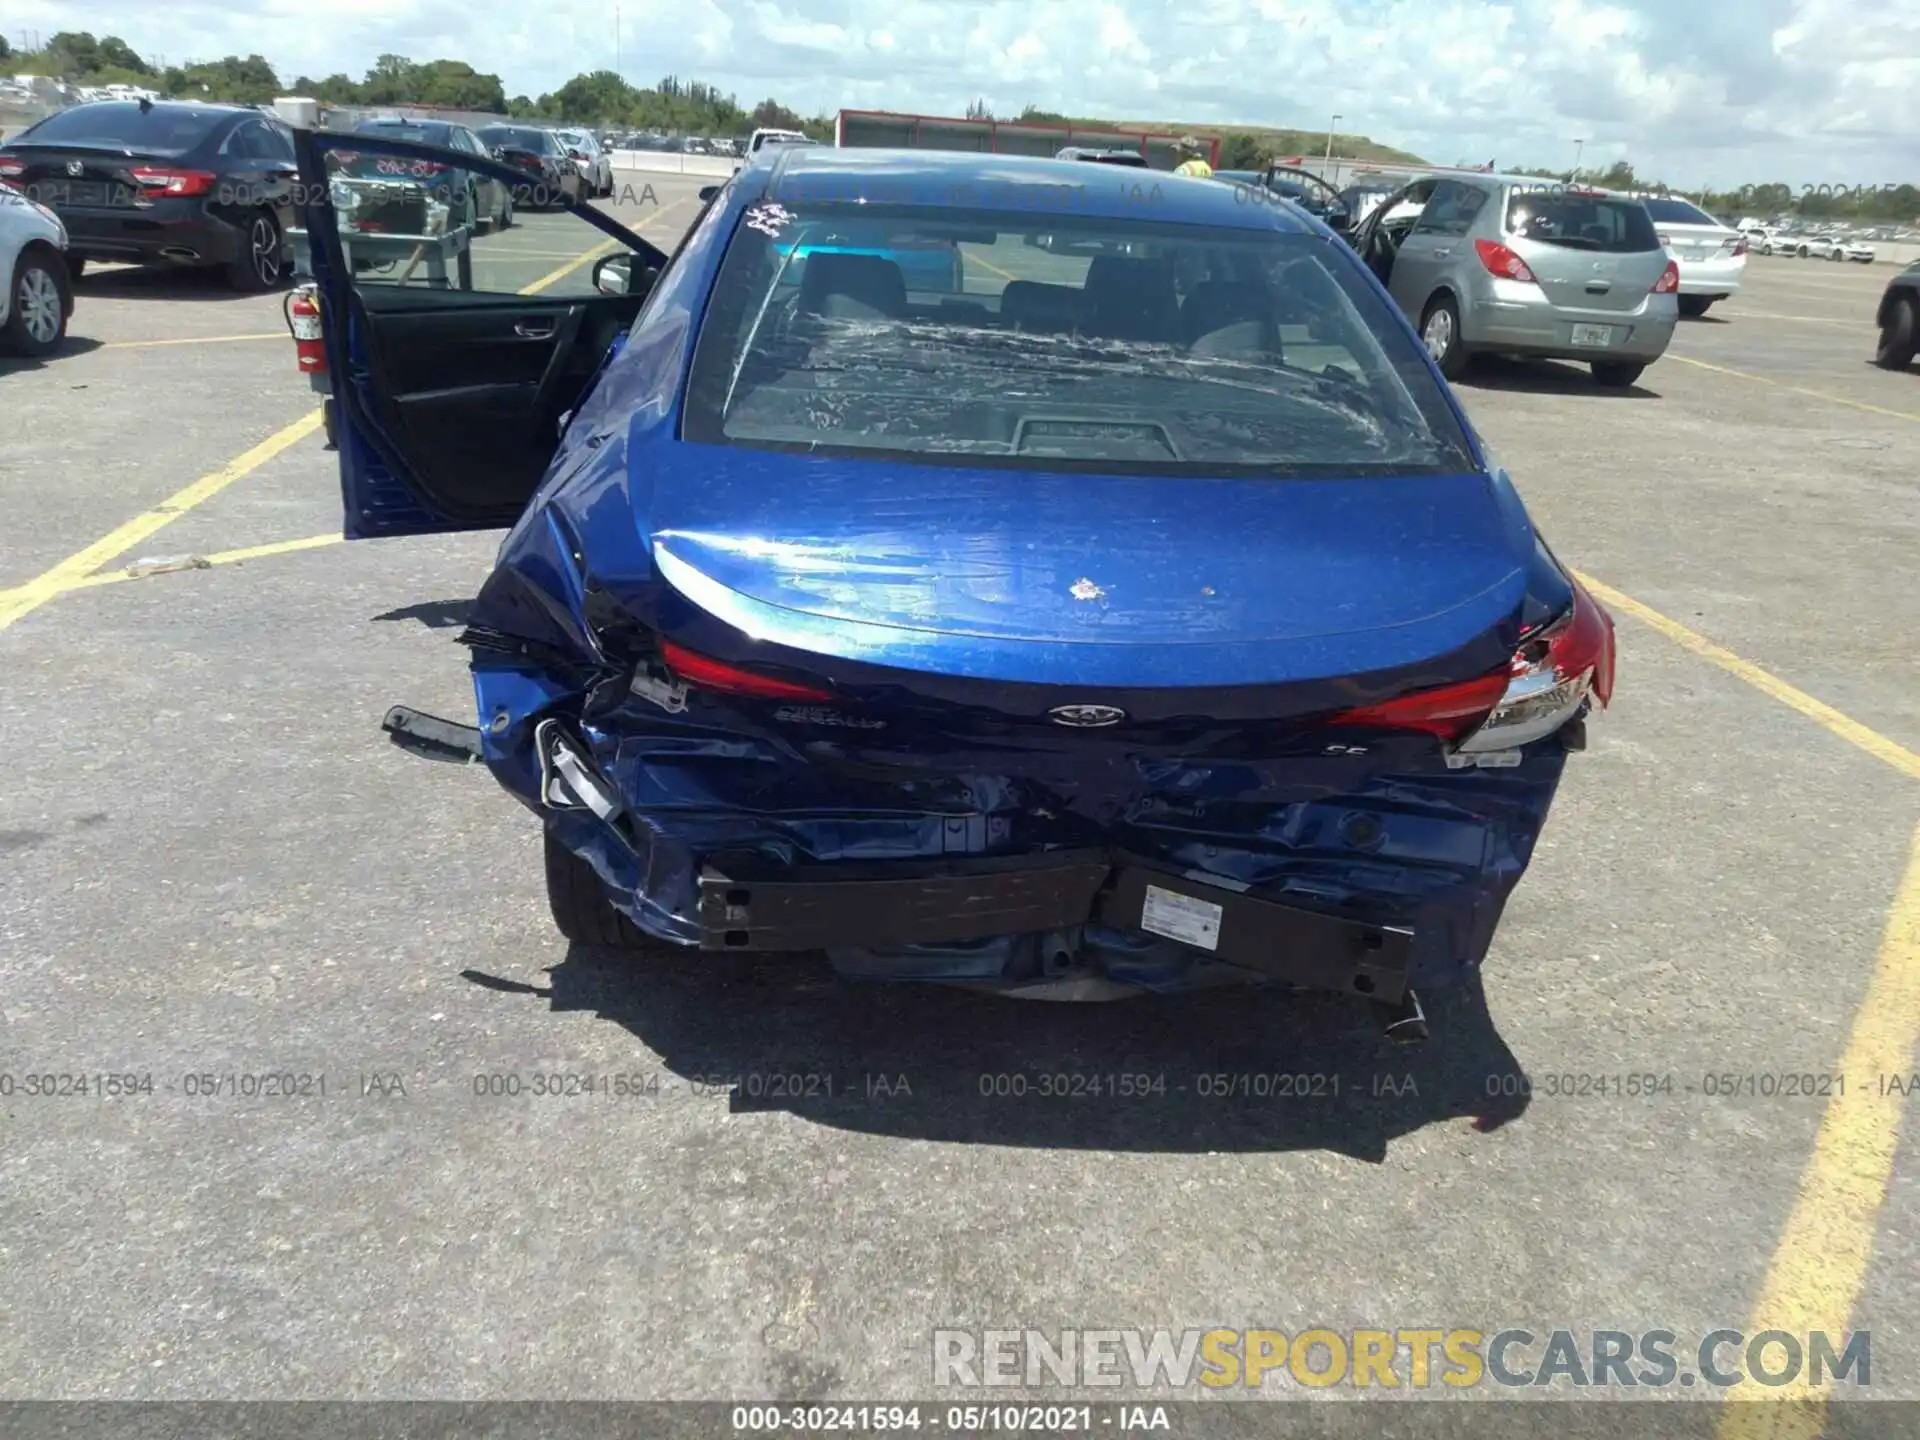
[302,312]
[303,320]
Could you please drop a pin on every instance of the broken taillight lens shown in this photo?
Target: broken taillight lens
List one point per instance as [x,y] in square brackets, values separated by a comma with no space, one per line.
[704,673]
[1553,672]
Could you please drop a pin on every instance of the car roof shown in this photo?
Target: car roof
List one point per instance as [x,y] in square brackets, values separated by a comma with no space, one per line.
[210,109]
[970,179]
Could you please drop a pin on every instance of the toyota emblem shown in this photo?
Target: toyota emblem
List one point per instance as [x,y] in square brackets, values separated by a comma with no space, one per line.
[1086,717]
[75,167]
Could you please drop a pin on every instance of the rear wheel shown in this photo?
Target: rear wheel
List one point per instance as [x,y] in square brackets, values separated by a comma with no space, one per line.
[506,212]
[581,910]
[1440,333]
[37,303]
[1695,305]
[1835,254]
[258,265]
[1617,374]
[1899,335]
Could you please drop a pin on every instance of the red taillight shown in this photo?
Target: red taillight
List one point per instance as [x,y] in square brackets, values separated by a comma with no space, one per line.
[715,675]
[1669,281]
[1552,673]
[1502,262]
[1448,712]
[173,182]
[1739,247]
[12,168]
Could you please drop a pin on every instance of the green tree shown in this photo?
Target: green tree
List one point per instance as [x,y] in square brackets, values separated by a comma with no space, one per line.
[1241,151]
[73,54]
[772,115]
[1042,117]
[237,81]
[6,50]
[116,54]
[979,110]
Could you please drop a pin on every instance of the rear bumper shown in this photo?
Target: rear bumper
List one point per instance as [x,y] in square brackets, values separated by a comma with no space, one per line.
[1719,279]
[177,232]
[1354,876]
[1506,316]
[905,905]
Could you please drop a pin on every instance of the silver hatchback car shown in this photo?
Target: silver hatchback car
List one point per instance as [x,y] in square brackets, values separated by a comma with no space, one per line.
[1511,264]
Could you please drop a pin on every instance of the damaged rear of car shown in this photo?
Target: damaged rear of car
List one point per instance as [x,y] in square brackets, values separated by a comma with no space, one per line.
[1135,619]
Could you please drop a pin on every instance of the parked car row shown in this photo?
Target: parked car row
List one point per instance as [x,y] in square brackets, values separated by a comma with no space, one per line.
[1824,245]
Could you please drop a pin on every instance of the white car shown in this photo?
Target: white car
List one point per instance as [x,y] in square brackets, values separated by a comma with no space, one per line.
[591,158]
[38,300]
[1712,257]
[1834,247]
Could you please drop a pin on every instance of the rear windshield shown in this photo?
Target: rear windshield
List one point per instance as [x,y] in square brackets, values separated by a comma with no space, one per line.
[1668,211]
[425,133]
[1039,341]
[519,138]
[163,130]
[1554,215]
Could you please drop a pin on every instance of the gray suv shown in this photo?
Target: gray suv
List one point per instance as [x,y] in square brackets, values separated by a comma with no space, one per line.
[1511,264]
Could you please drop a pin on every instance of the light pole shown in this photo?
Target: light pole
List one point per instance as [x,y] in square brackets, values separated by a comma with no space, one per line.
[616,40]
[1576,157]
[1327,164]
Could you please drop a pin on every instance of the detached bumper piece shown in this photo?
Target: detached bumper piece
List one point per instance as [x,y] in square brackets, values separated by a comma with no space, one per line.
[894,905]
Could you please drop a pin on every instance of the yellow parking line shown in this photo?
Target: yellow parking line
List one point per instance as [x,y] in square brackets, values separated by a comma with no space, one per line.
[1819,1266]
[1797,389]
[25,599]
[1798,319]
[203,562]
[1845,726]
[193,340]
[76,571]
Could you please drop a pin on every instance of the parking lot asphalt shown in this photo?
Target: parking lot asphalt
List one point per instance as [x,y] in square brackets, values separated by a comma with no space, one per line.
[213,865]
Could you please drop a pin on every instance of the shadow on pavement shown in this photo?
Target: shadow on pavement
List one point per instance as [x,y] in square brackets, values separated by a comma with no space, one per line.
[1546,377]
[159,283]
[434,614]
[11,364]
[1237,1070]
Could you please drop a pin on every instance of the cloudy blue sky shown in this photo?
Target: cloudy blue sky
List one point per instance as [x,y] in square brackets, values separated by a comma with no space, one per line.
[1697,92]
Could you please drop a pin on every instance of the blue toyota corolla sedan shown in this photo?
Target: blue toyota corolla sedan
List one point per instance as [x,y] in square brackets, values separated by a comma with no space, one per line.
[1132,611]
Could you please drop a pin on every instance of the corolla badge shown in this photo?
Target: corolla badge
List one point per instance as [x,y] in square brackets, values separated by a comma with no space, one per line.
[1086,717]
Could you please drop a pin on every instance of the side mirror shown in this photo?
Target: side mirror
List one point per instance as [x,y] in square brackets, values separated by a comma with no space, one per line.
[622,275]
[1339,221]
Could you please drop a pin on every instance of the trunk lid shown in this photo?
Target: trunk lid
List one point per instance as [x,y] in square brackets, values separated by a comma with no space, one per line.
[81,176]
[1589,251]
[1074,579]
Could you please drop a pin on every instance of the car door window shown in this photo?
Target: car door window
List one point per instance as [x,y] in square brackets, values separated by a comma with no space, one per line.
[1451,210]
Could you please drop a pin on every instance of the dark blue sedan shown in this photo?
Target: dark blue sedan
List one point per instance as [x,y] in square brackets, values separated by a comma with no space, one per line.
[1132,614]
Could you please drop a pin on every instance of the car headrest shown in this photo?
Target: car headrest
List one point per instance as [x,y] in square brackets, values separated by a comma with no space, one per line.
[1225,319]
[854,287]
[1048,309]
[1129,299]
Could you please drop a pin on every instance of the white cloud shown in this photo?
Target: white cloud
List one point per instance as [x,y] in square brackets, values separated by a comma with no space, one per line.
[1696,91]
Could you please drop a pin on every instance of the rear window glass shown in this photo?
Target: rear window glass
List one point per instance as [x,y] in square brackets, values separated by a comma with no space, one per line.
[1037,341]
[519,138]
[1554,215]
[1668,211]
[163,130]
[422,133]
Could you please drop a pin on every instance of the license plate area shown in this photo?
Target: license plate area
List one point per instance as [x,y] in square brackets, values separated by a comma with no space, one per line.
[1303,947]
[1593,335]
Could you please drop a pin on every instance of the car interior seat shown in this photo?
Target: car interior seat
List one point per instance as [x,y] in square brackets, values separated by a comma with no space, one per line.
[1040,309]
[1129,299]
[853,287]
[1226,320]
